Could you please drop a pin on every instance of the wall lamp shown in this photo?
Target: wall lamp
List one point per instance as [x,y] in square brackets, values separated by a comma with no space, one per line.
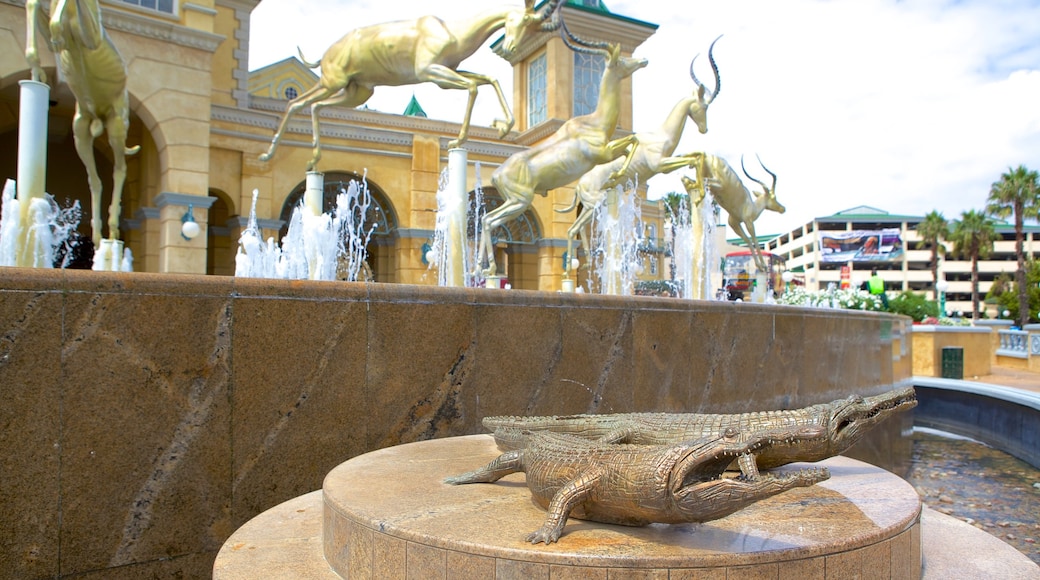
[189,227]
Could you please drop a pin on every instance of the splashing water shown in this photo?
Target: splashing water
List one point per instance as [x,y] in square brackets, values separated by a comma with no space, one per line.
[51,229]
[694,251]
[336,244]
[614,256]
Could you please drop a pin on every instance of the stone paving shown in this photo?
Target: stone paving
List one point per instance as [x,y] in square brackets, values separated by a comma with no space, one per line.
[985,487]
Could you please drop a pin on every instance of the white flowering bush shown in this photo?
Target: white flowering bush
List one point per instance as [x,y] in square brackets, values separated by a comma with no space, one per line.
[850,299]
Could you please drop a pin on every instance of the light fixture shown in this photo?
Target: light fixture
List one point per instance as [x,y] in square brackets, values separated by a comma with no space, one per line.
[427,254]
[941,286]
[189,227]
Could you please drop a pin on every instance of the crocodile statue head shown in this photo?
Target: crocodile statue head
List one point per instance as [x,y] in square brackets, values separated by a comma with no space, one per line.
[701,490]
[846,421]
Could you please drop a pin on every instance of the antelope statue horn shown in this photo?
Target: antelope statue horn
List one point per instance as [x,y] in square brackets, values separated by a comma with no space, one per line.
[550,15]
[581,45]
[714,69]
[769,190]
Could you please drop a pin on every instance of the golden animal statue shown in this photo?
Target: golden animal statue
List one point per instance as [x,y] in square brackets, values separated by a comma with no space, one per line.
[732,195]
[96,75]
[652,154]
[580,144]
[412,52]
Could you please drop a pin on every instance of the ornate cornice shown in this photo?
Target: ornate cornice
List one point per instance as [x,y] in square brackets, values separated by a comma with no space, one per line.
[183,199]
[168,31]
[247,5]
[353,124]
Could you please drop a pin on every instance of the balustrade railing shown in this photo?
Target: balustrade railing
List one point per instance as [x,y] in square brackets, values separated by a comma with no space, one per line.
[1013,343]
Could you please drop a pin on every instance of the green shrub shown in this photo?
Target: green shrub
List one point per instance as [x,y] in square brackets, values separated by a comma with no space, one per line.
[915,306]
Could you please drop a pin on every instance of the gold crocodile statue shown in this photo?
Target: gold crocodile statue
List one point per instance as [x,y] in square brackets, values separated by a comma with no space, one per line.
[635,485]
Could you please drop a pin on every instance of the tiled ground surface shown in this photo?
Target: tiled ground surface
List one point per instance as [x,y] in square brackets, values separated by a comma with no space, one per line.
[987,488]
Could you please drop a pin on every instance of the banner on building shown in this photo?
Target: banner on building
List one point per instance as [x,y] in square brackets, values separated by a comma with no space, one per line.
[861,245]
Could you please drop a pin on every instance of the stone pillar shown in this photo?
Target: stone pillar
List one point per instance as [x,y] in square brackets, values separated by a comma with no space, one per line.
[177,254]
[550,264]
[422,212]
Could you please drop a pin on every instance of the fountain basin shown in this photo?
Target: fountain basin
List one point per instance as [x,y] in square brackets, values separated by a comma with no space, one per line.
[148,415]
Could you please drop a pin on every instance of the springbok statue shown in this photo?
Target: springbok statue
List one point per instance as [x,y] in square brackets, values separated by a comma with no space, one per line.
[732,195]
[96,75]
[412,52]
[580,144]
[652,154]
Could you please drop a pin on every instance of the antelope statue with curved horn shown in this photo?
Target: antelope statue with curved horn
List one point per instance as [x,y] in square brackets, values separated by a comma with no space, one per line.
[742,205]
[96,75]
[652,154]
[412,52]
[580,144]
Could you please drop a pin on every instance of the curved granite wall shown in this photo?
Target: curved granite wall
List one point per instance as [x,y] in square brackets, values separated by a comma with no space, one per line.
[148,416]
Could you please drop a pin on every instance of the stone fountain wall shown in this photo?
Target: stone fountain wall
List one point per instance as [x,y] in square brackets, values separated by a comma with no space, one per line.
[146,417]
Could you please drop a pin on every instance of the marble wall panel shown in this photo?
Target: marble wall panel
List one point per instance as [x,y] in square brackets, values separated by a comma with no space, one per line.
[160,412]
[420,360]
[661,352]
[30,425]
[299,384]
[596,370]
[145,423]
[519,351]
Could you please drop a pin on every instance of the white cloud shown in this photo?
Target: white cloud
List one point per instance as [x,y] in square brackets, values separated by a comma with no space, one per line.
[907,106]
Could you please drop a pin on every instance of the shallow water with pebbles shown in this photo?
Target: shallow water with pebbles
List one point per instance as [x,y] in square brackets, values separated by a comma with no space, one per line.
[983,486]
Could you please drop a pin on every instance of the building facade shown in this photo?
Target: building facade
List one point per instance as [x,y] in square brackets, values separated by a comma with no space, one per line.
[202,120]
[853,242]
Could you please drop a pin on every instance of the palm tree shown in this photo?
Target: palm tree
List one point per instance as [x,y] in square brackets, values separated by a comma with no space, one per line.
[1017,194]
[674,203]
[973,238]
[933,231]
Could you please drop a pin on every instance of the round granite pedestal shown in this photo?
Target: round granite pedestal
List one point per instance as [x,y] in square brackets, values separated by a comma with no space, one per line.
[388,514]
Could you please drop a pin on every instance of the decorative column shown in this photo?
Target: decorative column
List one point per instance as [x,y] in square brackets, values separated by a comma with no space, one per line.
[34,101]
[454,262]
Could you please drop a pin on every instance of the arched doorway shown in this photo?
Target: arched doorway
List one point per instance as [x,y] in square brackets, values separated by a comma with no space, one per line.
[220,247]
[516,244]
[380,216]
[66,177]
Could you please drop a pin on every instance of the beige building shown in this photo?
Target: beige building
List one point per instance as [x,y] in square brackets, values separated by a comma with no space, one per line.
[202,120]
[820,250]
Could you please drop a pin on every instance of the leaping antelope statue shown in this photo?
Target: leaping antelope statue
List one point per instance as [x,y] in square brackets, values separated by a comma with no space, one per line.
[580,144]
[96,75]
[742,205]
[652,154]
[412,52]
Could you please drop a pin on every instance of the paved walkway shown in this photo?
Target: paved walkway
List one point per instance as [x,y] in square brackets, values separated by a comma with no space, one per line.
[1002,376]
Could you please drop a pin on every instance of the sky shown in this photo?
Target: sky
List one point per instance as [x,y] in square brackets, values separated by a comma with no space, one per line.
[906,106]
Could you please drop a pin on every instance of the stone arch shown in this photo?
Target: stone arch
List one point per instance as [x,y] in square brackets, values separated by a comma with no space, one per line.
[381,213]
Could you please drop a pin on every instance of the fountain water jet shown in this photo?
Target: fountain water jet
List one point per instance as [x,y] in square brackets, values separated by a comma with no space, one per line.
[694,250]
[614,244]
[317,246]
